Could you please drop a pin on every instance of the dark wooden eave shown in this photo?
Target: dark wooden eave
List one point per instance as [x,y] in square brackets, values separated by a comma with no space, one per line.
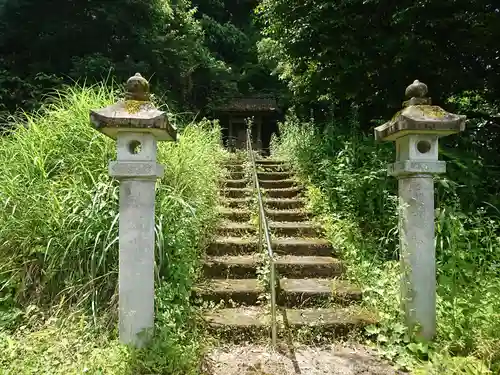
[248,105]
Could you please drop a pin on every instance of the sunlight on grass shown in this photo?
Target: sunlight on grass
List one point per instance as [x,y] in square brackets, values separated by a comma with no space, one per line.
[348,187]
[59,250]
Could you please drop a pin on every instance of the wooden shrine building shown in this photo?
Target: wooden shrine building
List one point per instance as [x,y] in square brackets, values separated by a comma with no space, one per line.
[263,114]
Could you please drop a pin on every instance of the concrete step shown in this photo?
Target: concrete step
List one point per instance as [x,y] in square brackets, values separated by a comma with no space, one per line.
[292,192]
[335,320]
[237,175]
[236,202]
[232,228]
[273,176]
[277,184]
[241,291]
[288,215]
[239,324]
[269,162]
[235,214]
[297,267]
[302,247]
[295,229]
[287,203]
[272,168]
[247,323]
[235,183]
[236,192]
[234,167]
[317,292]
[232,246]
[234,266]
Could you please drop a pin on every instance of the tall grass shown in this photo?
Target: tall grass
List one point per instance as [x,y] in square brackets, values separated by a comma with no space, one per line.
[59,225]
[349,187]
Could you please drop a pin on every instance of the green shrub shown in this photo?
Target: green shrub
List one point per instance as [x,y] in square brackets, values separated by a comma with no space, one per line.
[350,168]
[58,226]
[76,345]
[349,187]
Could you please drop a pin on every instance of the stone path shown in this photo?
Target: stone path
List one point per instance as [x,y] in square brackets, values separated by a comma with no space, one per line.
[330,359]
[311,291]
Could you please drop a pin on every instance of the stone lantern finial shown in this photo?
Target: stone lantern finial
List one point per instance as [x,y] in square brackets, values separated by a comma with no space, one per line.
[137,88]
[416,94]
[416,90]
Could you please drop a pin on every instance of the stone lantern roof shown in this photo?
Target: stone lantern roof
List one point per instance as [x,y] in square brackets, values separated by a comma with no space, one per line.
[419,117]
[134,114]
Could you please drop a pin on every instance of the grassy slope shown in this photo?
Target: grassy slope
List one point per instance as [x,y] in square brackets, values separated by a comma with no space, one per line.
[349,188]
[58,232]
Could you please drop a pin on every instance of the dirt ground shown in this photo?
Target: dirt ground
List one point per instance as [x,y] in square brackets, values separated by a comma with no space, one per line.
[260,360]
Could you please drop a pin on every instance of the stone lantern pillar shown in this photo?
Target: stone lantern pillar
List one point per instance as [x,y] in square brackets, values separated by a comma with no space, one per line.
[416,130]
[136,125]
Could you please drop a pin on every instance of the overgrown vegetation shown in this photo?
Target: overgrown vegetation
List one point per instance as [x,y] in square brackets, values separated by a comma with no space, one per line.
[58,225]
[346,174]
[59,251]
[333,53]
[89,40]
[339,56]
[193,52]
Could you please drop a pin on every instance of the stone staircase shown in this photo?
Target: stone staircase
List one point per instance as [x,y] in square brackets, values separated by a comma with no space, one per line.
[310,290]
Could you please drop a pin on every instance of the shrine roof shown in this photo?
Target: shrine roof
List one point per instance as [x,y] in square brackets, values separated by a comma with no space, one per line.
[248,105]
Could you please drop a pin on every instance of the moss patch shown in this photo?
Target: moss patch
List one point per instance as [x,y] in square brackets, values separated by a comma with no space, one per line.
[134,106]
[432,110]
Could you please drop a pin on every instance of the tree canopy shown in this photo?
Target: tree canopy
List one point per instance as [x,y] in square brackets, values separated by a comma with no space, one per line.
[368,51]
[195,52]
[330,54]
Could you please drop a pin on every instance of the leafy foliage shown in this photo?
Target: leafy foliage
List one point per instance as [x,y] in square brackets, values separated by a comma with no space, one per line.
[59,227]
[232,35]
[194,53]
[86,40]
[346,174]
[367,51]
[74,345]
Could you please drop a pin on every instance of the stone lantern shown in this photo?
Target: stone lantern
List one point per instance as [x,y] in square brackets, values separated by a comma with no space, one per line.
[416,130]
[137,126]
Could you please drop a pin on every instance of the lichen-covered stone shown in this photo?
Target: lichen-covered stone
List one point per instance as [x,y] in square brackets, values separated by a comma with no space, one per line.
[135,114]
[420,119]
[137,88]
[135,106]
